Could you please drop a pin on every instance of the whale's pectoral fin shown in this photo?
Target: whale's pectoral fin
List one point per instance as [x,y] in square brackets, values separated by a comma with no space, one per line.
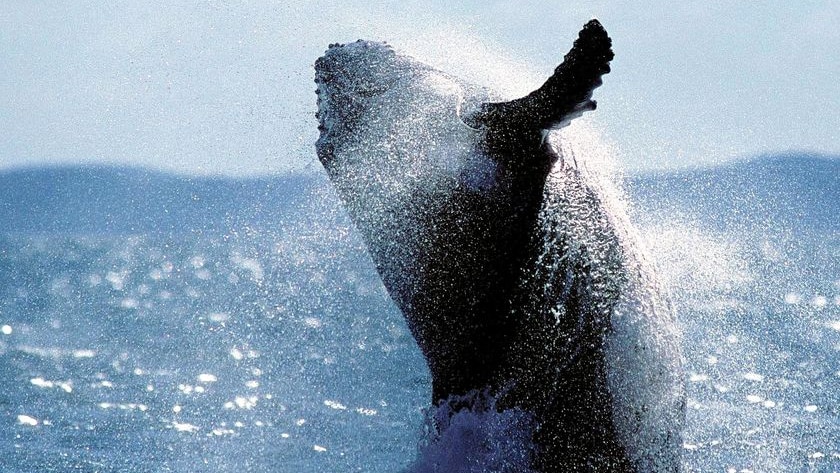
[563,97]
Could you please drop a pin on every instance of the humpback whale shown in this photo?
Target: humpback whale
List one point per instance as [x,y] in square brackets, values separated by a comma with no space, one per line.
[517,278]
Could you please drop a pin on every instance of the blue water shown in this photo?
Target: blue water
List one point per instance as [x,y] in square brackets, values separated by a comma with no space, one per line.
[259,347]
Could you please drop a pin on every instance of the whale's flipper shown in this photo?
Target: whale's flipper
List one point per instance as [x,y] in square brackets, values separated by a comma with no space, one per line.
[563,97]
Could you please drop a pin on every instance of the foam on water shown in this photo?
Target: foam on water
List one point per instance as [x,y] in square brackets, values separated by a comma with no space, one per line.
[475,440]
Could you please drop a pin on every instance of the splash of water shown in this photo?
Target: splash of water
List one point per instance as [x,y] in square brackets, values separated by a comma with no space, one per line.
[475,440]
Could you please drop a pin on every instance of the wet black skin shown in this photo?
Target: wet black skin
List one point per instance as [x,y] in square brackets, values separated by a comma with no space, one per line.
[481,337]
[468,309]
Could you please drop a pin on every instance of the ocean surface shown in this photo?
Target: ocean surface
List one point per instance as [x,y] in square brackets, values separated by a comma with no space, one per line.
[153,323]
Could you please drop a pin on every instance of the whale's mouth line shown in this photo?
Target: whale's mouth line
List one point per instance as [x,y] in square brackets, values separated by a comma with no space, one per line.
[322,93]
[341,90]
[322,111]
[325,75]
[328,73]
[324,148]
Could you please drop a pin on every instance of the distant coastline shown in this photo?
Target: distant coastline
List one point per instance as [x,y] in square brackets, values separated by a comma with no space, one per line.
[779,189]
[125,201]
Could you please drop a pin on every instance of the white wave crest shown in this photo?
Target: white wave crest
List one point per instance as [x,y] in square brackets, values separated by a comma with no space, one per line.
[476,439]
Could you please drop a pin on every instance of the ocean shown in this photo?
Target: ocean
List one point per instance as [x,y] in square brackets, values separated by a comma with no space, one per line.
[151,322]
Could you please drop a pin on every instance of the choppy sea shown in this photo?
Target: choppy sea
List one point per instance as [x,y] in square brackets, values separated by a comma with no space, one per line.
[271,346]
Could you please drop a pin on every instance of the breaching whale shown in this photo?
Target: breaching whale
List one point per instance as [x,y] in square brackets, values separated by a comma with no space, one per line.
[516,277]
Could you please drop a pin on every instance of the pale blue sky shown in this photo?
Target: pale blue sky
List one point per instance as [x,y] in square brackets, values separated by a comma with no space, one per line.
[212,87]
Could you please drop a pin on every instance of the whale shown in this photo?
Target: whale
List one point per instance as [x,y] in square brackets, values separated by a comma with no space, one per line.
[519,278]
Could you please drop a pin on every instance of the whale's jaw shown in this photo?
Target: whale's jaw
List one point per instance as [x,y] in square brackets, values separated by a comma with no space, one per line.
[351,78]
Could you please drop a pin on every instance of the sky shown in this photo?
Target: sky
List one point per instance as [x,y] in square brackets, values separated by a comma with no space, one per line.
[210,87]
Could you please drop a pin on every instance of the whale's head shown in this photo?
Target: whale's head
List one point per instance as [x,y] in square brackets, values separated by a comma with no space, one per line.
[395,146]
[389,123]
